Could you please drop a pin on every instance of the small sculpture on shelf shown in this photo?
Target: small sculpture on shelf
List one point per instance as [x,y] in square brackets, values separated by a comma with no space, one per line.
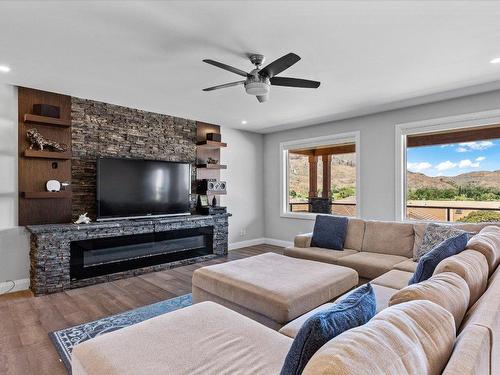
[39,141]
[83,219]
[212,161]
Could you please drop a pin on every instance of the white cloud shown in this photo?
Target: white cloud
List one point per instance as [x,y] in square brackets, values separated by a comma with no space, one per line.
[467,164]
[480,158]
[474,146]
[418,167]
[445,165]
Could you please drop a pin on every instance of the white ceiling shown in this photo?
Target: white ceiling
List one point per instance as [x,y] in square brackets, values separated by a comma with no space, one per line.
[369,56]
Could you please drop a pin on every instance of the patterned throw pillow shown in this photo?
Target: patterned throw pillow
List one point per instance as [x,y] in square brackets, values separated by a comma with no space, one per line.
[354,310]
[434,234]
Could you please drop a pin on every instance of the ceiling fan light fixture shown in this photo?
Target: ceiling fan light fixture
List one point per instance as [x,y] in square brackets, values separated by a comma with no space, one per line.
[257,88]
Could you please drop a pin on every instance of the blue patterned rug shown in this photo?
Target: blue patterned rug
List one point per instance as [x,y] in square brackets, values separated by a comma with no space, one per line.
[65,339]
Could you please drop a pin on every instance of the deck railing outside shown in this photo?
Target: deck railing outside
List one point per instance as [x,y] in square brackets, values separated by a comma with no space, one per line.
[414,211]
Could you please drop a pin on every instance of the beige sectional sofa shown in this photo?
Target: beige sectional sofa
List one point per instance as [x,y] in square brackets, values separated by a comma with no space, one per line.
[447,325]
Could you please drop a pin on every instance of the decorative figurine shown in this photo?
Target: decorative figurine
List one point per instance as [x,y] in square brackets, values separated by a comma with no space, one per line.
[212,160]
[214,202]
[36,139]
[83,219]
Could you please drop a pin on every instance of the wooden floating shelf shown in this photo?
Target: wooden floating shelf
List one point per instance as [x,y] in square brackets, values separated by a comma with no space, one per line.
[43,120]
[47,154]
[211,166]
[46,195]
[211,144]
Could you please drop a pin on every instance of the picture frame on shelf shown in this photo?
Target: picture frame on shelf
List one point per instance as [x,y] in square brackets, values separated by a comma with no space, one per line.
[203,200]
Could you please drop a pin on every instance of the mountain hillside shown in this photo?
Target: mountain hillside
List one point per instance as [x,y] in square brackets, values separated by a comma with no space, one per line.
[344,173]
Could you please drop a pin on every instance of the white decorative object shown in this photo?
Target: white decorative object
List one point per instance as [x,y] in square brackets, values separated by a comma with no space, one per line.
[83,219]
[53,185]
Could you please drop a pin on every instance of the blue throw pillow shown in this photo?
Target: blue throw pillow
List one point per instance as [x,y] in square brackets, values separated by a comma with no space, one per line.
[329,232]
[428,263]
[354,310]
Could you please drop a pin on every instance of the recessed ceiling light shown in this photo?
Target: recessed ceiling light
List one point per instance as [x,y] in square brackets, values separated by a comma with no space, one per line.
[4,69]
[496,60]
[243,122]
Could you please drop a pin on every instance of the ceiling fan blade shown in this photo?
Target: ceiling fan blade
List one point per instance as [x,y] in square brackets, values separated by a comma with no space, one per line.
[294,82]
[262,98]
[226,67]
[224,85]
[277,66]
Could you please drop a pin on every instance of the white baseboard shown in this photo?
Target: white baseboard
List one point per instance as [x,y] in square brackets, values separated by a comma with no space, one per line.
[259,241]
[23,284]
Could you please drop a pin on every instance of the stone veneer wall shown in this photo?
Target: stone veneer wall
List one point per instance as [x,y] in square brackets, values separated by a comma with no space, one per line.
[101,129]
[50,249]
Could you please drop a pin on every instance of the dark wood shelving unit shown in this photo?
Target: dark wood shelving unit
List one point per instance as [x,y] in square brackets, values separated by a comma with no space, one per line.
[36,205]
[43,120]
[211,166]
[211,144]
[46,194]
[47,154]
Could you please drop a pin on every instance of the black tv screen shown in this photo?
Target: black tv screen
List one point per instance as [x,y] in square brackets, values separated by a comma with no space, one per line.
[138,188]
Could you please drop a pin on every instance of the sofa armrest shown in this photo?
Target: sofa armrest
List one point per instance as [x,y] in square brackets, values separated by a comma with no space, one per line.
[303,240]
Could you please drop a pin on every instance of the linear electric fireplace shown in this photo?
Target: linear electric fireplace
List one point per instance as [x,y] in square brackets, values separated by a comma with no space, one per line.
[103,256]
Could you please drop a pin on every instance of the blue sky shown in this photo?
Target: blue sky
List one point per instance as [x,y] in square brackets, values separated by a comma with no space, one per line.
[455,159]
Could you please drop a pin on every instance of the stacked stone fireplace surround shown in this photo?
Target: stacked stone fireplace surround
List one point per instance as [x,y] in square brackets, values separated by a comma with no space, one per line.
[106,130]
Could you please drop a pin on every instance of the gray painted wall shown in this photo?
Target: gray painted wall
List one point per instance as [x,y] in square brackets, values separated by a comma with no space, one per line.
[244,157]
[377,158]
[14,246]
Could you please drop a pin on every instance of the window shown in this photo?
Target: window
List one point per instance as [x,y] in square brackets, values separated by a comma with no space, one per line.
[320,175]
[453,175]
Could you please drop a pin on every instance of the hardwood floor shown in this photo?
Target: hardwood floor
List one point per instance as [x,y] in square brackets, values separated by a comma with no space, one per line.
[25,321]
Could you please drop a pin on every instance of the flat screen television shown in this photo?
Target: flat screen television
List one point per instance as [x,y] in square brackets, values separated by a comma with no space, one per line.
[130,188]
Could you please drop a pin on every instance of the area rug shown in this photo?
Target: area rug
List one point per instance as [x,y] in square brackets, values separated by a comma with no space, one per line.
[65,339]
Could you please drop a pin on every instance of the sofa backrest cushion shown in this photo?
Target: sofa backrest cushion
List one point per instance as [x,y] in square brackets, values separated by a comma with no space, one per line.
[407,339]
[388,238]
[471,266]
[486,313]
[471,354]
[355,234]
[428,263]
[487,242]
[447,289]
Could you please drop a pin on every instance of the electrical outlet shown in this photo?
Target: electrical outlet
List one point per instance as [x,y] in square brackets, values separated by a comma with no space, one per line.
[243,232]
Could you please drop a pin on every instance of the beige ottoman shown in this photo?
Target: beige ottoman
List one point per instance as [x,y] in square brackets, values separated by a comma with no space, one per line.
[270,288]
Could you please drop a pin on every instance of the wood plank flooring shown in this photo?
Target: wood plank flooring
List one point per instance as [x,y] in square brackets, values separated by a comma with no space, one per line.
[25,321]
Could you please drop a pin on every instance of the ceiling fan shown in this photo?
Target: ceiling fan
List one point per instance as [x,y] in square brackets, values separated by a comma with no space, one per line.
[258,82]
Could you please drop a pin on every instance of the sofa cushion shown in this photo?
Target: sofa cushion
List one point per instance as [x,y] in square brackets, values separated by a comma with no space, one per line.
[428,263]
[355,234]
[199,339]
[370,265]
[446,289]
[318,254]
[276,286]
[353,311]
[411,338]
[382,296]
[395,279]
[435,234]
[487,242]
[471,266]
[408,265]
[486,313]
[329,232]
[389,238]
[471,354]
